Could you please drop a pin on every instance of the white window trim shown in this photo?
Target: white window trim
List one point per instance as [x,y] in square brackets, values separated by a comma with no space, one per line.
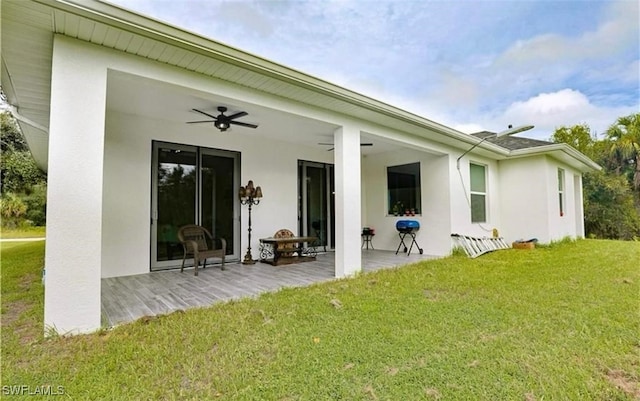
[562,190]
[485,193]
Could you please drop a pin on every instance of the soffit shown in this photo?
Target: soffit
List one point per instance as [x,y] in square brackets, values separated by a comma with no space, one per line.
[27,45]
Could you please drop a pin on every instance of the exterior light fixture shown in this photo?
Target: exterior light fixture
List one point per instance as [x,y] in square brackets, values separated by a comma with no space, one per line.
[508,132]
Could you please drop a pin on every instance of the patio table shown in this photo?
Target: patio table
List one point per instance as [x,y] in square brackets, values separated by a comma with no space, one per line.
[280,251]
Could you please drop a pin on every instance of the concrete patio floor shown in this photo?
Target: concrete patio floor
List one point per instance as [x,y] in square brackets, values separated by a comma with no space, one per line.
[125,299]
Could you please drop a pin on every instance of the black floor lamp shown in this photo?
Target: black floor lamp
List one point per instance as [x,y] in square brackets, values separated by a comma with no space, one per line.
[249,195]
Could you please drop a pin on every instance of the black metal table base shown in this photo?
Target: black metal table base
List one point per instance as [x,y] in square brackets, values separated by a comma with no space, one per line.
[402,236]
[367,240]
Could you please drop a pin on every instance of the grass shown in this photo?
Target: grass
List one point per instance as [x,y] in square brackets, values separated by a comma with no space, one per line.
[22,232]
[559,322]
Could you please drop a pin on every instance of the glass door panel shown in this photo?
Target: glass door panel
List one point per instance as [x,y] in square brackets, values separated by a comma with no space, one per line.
[192,185]
[218,197]
[332,206]
[317,202]
[176,200]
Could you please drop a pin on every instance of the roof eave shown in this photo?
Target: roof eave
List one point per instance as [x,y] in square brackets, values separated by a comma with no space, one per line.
[582,162]
[148,27]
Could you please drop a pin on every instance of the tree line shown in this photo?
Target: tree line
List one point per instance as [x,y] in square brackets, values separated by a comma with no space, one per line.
[611,196]
[23,185]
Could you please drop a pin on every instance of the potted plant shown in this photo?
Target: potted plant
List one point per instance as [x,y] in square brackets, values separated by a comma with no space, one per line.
[397,209]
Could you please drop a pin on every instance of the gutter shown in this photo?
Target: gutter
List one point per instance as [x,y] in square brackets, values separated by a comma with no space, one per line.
[557,147]
[14,112]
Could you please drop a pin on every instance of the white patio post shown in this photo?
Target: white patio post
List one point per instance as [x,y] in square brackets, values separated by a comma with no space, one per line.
[348,258]
[74,198]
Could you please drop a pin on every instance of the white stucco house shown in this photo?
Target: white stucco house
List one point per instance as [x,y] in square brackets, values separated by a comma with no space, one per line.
[104,97]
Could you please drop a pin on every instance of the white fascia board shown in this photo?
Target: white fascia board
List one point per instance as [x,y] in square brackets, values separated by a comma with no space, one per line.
[560,151]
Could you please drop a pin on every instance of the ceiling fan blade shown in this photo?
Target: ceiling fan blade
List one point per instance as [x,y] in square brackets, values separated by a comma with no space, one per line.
[243,124]
[329,150]
[330,144]
[238,115]
[206,114]
[203,121]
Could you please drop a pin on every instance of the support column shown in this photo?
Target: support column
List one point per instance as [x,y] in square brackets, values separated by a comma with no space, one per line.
[74,190]
[348,257]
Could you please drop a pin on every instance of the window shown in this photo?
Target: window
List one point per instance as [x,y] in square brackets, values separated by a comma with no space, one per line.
[561,190]
[403,185]
[478,193]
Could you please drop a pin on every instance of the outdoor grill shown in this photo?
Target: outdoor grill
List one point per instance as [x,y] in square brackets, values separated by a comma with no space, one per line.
[407,227]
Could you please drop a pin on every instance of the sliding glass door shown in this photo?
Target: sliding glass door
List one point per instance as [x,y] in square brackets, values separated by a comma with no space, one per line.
[317,202]
[192,185]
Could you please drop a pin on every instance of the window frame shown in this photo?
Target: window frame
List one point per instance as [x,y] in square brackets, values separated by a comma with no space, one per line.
[561,191]
[476,193]
[416,202]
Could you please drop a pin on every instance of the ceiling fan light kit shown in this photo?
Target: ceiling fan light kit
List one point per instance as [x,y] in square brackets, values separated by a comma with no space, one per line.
[222,121]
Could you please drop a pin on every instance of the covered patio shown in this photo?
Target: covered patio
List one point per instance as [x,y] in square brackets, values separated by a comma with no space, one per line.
[129,113]
[127,298]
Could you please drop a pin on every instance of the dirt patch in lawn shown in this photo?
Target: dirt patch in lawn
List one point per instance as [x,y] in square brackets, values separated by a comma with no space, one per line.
[13,311]
[623,381]
[26,281]
[24,330]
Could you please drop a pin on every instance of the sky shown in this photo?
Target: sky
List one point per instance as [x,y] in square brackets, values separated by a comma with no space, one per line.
[471,65]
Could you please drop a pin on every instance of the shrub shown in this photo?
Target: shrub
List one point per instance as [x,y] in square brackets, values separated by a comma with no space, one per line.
[609,207]
[12,209]
[36,202]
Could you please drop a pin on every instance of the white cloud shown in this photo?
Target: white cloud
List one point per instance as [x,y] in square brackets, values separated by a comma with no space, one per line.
[550,104]
[523,85]
[566,107]
[456,91]
[248,20]
[631,72]
[469,128]
[610,37]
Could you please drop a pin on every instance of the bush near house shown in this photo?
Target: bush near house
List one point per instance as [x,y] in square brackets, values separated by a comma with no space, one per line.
[611,196]
[23,186]
[557,322]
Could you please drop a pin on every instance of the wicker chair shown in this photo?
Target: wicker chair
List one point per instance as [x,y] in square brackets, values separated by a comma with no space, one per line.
[198,242]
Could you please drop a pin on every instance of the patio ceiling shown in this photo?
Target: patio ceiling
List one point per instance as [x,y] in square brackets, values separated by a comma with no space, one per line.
[160,101]
[28,28]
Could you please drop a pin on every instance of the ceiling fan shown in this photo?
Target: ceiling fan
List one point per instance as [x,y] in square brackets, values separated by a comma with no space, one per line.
[332,148]
[222,121]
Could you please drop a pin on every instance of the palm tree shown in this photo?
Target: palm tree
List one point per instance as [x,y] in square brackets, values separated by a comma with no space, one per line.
[625,142]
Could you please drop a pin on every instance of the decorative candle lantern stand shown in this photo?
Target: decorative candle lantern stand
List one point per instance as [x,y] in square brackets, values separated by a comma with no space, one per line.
[249,195]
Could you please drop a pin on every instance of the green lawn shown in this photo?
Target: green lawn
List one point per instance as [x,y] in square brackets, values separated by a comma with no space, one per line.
[557,323]
[25,232]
